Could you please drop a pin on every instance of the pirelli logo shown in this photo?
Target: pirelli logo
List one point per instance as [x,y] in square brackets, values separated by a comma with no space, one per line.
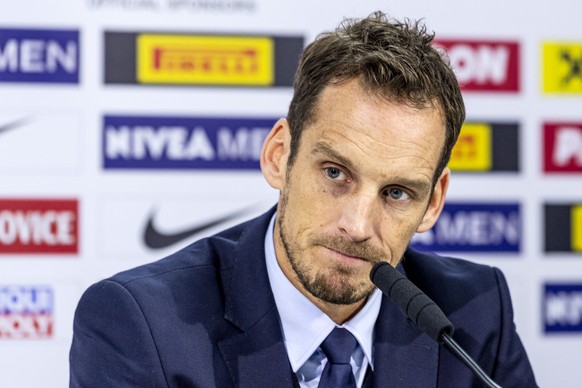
[486,147]
[562,67]
[210,60]
[204,59]
[563,228]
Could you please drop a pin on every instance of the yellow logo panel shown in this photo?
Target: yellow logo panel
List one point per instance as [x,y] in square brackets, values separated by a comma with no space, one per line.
[577,228]
[562,67]
[207,60]
[473,149]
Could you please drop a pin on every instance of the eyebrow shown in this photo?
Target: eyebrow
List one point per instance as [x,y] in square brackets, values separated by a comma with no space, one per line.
[323,148]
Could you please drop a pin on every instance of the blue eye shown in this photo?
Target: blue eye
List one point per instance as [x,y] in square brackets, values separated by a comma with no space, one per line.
[333,172]
[397,193]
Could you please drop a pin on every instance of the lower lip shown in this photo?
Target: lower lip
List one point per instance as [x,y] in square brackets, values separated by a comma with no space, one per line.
[345,259]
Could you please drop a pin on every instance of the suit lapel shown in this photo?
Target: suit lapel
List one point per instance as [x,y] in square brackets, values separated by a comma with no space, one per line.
[256,356]
[403,355]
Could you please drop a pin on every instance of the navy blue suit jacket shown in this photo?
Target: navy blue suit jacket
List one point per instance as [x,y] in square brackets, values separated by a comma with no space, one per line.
[205,317]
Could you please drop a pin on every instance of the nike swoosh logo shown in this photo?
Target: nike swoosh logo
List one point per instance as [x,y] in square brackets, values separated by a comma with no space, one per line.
[14,124]
[155,239]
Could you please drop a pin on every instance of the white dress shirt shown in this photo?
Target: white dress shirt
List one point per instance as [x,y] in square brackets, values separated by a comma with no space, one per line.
[305,326]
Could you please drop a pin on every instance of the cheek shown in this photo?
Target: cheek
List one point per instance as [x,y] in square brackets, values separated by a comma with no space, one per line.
[313,207]
[398,229]
[309,194]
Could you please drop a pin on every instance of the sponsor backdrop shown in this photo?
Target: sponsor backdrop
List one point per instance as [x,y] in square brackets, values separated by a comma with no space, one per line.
[130,128]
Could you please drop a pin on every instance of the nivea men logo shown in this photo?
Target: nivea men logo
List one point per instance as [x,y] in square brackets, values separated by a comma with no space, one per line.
[47,56]
[474,227]
[562,308]
[484,65]
[563,147]
[26,312]
[131,142]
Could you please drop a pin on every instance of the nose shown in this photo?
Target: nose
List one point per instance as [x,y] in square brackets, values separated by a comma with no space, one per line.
[358,217]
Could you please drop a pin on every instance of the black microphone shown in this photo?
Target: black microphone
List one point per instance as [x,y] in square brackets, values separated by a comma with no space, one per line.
[423,312]
[415,304]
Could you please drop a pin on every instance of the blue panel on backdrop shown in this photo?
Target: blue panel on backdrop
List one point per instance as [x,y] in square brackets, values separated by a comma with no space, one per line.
[562,308]
[39,56]
[145,142]
[474,227]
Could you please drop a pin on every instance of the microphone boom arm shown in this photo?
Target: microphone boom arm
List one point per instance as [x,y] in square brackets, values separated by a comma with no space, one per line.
[424,313]
[458,351]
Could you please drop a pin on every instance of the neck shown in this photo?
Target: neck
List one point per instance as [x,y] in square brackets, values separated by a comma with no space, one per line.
[340,314]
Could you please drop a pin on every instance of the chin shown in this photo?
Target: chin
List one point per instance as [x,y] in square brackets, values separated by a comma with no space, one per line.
[337,289]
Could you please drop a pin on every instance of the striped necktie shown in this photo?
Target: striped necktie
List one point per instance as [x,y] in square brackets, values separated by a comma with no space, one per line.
[338,347]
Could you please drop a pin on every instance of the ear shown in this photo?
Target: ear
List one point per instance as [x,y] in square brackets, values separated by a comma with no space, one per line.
[275,153]
[437,201]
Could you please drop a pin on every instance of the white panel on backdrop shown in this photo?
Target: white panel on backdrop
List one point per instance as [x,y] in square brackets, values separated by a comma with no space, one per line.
[33,141]
[521,66]
[171,216]
[48,337]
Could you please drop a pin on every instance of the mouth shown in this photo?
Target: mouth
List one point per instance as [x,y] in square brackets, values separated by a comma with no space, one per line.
[346,258]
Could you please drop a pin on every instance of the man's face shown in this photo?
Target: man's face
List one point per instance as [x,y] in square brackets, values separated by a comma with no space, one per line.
[359,188]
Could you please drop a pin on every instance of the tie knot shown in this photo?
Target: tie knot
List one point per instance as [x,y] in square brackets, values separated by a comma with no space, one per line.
[339,346]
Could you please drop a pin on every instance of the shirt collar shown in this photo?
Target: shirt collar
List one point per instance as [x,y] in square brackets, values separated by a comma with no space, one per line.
[304,325]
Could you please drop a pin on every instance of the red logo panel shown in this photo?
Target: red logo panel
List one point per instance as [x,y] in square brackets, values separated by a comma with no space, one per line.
[484,65]
[45,226]
[563,147]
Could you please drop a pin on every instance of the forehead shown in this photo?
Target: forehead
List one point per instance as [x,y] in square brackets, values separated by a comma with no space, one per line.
[362,124]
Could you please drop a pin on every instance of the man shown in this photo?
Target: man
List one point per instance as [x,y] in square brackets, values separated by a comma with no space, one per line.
[360,163]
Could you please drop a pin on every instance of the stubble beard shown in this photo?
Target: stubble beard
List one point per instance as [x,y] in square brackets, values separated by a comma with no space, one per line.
[336,284]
